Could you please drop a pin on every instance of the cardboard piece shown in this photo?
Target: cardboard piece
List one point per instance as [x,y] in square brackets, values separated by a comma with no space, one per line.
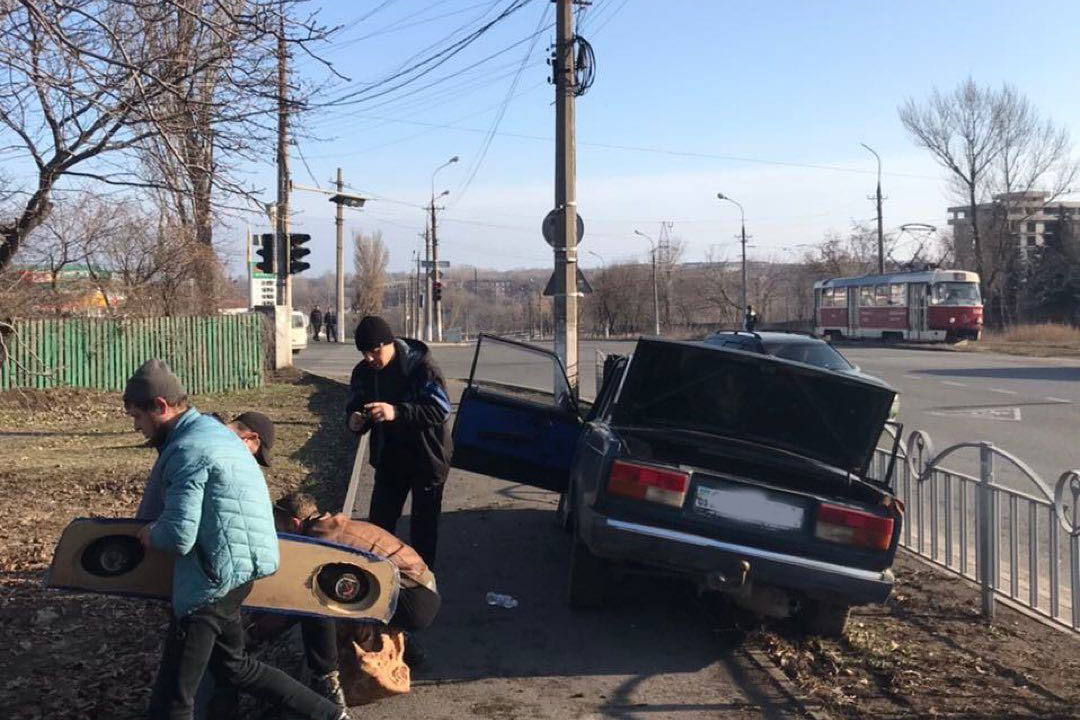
[103,555]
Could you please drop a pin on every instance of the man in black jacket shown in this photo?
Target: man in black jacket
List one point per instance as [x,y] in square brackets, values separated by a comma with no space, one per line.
[398,393]
[316,320]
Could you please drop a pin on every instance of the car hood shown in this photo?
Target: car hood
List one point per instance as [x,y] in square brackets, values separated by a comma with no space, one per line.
[832,417]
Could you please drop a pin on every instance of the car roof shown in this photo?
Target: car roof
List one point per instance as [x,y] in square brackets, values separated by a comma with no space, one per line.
[775,336]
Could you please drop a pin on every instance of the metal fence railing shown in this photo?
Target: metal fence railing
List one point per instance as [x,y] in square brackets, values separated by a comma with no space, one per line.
[1019,540]
[214,353]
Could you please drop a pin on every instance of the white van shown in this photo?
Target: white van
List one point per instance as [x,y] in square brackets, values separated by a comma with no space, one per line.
[299,331]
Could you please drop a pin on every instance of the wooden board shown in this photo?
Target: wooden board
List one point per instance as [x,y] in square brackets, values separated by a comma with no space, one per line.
[103,555]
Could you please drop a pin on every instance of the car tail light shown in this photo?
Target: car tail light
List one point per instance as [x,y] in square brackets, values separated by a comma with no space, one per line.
[645,482]
[854,527]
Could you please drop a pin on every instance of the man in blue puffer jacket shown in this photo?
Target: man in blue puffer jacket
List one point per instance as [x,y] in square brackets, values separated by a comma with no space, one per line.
[216,519]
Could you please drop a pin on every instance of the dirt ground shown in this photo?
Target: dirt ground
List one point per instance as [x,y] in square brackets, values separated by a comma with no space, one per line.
[67,454]
[928,653]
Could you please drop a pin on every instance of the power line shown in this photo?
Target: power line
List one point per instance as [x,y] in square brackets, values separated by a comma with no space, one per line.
[660,151]
[490,137]
[421,68]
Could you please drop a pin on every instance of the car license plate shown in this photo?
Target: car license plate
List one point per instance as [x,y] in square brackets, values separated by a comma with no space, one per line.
[749,506]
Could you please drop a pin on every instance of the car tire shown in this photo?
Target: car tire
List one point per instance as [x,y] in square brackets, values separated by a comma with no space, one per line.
[820,617]
[563,516]
[587,584]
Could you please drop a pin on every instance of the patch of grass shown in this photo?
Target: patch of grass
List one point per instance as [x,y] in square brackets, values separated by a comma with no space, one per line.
[1048,333]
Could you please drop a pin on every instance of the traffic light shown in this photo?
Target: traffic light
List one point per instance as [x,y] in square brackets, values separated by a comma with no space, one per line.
[298,251]
[437,291]
[266,252]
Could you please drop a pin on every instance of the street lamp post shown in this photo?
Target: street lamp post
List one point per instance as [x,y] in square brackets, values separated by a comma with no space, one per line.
[655,294]
[436,304]
[742,220]
[880,232]
[603,283]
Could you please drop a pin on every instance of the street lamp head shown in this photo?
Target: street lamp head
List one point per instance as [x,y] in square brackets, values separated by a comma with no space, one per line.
[720,196]
[444,193]
[454,159]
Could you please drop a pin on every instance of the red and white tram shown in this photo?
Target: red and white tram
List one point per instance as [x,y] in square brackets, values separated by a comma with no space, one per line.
[929,306]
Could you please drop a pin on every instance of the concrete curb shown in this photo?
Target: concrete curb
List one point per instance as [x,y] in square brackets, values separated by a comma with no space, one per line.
[812,708]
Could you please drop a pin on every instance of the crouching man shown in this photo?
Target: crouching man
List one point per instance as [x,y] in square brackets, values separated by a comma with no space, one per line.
[217,522]
[418,597]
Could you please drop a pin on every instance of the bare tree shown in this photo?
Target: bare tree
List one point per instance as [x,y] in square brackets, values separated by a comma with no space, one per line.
[90,83]
[963,131]
[370,259]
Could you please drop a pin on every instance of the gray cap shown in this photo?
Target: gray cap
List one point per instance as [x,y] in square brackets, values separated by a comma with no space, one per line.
[153,379]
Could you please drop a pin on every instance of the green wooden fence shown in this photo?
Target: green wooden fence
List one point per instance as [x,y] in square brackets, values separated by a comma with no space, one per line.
[209,354]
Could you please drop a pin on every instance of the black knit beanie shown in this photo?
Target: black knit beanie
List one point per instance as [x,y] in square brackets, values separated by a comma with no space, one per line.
[372,332]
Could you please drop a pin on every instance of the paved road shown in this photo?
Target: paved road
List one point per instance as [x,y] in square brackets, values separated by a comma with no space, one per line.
[1029,406]
[656,652]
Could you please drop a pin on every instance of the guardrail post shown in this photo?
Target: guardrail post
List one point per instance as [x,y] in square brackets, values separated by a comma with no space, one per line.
[984,529]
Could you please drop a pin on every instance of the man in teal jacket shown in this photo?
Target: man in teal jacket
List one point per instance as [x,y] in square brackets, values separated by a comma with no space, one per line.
[216,520]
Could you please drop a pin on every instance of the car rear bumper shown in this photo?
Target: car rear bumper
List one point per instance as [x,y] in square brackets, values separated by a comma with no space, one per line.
[699,555]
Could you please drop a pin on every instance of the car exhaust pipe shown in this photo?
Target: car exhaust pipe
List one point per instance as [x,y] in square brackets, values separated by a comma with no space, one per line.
[728,581]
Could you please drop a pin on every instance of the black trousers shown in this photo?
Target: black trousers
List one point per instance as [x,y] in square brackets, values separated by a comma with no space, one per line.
[212,638]
[416,609]
[388,499]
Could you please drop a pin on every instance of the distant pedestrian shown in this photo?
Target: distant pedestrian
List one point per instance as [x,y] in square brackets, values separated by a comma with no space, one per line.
[751,319]
[398,393]
[331,326]
[316,319]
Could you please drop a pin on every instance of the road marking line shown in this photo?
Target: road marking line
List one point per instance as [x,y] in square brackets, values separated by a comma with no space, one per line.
[954,384]
[1059,400]
[1003,392]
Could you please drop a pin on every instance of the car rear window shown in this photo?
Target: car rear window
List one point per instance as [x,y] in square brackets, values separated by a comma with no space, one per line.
[819,354]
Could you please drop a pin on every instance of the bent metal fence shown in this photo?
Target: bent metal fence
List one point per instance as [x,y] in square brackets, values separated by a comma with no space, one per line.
[1019,540]
[210,354]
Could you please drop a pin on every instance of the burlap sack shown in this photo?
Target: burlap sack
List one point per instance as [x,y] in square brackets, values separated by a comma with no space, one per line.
[371,660]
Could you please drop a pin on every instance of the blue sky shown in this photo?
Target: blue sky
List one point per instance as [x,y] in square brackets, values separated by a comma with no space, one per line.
[766,101]
[781,85]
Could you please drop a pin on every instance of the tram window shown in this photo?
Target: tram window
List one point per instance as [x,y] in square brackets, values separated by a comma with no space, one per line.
[827,297]
[956,293]
[866,296]
[840,297]
[898,295]
[882,295]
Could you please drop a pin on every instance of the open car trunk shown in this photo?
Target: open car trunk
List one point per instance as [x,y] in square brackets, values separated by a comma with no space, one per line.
[747,403]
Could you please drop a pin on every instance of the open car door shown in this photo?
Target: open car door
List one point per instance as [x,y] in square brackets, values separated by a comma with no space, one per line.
[517,419]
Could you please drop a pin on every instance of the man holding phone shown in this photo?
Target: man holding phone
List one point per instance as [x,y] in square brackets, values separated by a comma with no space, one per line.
[398,393]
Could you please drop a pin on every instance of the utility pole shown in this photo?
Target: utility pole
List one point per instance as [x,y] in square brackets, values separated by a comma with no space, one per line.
[880,232]
[419,298]
[284,279]
[742,242]
[339,222]
[428,324]
[436,305]
[665,261]
[341,199]
[565,307]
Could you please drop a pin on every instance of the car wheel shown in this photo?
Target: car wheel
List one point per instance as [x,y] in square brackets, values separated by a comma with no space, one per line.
[588,577]
[825,618]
